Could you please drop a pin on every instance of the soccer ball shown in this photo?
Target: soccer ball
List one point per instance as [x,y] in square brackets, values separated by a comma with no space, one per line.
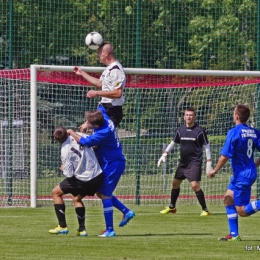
[94,40]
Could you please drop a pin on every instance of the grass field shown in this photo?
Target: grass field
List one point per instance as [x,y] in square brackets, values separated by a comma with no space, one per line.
[150,235]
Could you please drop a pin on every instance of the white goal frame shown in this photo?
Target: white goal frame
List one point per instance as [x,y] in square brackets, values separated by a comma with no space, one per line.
[33,102]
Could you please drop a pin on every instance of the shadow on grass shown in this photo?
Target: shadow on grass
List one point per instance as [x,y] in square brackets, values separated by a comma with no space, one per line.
[167,234]
[186,214]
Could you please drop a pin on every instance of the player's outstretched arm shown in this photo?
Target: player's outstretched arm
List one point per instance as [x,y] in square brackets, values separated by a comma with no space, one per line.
[116,93]
[83,127]
[92,80]
[72,133]
[167,150]
[162,159]
[221,162]
[208,156]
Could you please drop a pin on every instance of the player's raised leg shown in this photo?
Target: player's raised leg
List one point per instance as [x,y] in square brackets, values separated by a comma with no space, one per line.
[127,213]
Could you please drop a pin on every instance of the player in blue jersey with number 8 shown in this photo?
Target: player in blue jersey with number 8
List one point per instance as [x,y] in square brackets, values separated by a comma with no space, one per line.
[239,147]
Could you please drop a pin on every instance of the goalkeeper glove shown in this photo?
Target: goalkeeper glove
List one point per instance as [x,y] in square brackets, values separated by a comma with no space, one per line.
[208,167]
[162,159]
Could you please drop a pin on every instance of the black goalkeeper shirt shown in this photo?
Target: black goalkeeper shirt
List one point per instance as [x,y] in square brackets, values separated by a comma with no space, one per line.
[191,142]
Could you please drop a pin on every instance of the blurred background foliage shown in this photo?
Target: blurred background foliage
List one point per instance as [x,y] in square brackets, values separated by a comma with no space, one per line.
[171,34]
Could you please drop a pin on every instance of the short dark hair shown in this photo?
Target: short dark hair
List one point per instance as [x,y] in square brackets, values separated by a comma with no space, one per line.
[60,134]
[95,117]
[190,109]
[243,113]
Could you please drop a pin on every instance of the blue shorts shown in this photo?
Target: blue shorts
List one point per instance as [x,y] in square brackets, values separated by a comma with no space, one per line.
[242,193]
[112,174]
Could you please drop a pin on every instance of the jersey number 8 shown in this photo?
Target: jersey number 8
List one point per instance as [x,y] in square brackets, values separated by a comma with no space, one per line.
[249,148]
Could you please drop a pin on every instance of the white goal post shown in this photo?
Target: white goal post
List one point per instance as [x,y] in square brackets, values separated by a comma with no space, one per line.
[201,99]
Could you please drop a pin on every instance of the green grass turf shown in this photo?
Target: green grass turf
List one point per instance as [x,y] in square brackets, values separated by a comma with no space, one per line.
[150,235]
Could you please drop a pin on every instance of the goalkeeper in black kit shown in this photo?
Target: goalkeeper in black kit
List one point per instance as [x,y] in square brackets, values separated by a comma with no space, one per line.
[191,138]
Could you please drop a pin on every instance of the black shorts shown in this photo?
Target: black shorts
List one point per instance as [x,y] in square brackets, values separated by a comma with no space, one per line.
[83,188]
[114,112]
[191,172]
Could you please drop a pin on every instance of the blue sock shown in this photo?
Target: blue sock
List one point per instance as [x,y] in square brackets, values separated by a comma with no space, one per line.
[232,220]
[119,205]
[252,207]
[108,213]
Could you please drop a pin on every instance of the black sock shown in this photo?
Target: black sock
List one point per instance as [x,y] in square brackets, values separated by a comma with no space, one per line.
[60,213]
[201,199]
[174,196]
[81,217]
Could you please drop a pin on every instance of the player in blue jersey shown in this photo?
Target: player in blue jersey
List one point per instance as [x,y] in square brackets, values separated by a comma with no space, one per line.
[239,147]
[191,138]
[108,150]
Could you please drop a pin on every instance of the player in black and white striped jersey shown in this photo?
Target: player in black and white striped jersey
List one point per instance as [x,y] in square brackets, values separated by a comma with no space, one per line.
[83,178]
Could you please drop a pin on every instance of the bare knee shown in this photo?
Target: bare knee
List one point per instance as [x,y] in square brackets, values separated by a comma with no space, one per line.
[195,186]
[57,192]
[228,200]
[241,211]
[242,214]
[176,184]
[76,199]
[101,196]
[98,194]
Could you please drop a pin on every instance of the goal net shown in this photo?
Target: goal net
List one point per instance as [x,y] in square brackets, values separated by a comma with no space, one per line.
[35,101]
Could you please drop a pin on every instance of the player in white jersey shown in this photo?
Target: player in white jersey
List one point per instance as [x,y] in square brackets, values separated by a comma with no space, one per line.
[83,178]
[111,83]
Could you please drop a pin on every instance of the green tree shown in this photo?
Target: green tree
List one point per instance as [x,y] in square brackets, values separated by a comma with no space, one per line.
[223,35]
